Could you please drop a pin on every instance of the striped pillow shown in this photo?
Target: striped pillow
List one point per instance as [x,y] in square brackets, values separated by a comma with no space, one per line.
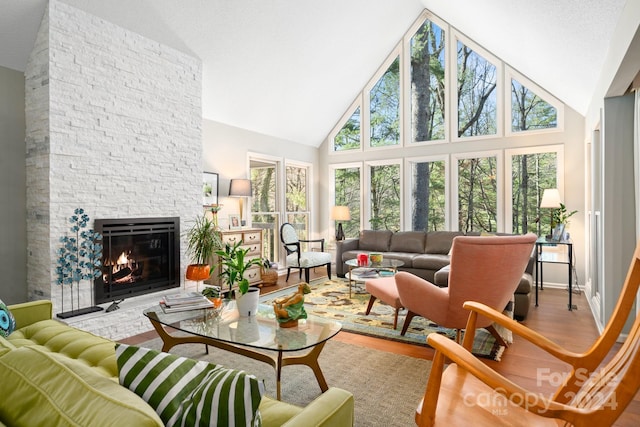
[184,391]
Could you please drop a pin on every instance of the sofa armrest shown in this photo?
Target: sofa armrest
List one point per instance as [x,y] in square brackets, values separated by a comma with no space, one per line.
[334,407]
[343,246]
[28,313]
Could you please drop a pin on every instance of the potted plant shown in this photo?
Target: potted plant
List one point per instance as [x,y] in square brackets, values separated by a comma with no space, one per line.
[234,264]
[202,242]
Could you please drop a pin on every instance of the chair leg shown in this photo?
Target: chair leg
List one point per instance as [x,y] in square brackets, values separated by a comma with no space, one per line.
[288,272]
[306,274]
[407,320]
[458,335]
[329,270]
[497,336]
[371,301]
[395,319]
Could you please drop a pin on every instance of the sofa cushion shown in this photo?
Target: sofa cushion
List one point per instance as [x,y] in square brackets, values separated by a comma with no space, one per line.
[184,391]
[431,261]
[408,241]
[439,242]
[374,240]
[5,346]
[7,321]
[91,350]
[50,389]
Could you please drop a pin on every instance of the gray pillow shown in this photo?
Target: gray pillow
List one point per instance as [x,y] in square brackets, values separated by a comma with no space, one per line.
[408,241]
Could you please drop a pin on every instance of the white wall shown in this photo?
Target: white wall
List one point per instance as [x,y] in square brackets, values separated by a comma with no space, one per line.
[13,223]
[225,152]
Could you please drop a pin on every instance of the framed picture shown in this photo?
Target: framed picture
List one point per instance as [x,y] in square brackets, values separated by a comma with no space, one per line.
[234,222]
[209,188]
[558,233]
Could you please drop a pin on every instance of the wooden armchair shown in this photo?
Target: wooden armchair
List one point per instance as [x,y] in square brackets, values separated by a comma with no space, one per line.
[468,392]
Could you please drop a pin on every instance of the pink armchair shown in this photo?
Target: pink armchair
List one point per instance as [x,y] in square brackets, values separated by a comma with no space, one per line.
[486,269]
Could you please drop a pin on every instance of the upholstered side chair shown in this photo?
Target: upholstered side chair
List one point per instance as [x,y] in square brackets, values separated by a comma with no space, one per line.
[486,269]
[302,260]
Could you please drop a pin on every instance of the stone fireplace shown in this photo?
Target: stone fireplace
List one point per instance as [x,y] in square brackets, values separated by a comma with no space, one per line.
[114,123]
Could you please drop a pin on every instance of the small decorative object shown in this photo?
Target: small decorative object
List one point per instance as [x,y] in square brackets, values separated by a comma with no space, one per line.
[202,242]
[290,309]
[214,213]
[234,266]
[558,233]
[363,260]
[209,188]
[78,260]
[375,257]
[7,321]
[234,222]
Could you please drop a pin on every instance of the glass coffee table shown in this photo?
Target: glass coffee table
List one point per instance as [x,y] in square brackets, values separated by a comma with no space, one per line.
[258,337]
[360,273]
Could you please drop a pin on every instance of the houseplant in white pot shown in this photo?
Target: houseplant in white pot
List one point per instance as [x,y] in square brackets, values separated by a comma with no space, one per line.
[234,264]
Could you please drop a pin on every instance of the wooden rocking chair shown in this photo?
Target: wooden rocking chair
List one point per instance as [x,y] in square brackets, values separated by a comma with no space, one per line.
[468,392]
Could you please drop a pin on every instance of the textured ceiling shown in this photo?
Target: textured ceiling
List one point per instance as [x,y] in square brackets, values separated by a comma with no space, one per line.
[290,68]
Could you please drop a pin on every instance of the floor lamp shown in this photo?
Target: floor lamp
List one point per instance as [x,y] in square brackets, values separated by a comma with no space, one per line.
[240,188]
[550,200]
[340,213]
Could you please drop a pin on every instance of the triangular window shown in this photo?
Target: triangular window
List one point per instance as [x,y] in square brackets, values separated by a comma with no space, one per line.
[529,111]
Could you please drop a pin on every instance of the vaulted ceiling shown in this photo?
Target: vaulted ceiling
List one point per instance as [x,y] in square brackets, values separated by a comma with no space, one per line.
[290,68]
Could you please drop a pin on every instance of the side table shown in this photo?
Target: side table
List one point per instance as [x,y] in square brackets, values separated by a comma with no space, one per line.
[543,256]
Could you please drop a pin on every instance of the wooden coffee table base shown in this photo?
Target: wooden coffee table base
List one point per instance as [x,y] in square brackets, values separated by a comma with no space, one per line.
[278,361]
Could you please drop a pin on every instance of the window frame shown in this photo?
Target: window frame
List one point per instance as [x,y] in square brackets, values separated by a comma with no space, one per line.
[453,76]
[500,178]
[508,190]
[509,74]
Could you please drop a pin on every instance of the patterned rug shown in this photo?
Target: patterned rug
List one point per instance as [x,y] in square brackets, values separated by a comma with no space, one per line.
[330,298]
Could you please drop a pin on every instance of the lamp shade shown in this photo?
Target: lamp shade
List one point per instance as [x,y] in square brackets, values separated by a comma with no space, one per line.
[340,213]
[240,188]
[550,198]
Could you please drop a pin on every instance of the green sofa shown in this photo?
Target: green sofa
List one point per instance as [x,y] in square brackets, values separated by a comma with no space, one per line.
[55,374]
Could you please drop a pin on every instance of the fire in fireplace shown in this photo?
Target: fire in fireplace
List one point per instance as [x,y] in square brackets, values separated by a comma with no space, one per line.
[140,255]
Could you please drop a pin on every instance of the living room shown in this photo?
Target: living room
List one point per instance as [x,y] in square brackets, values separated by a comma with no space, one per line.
[228,149]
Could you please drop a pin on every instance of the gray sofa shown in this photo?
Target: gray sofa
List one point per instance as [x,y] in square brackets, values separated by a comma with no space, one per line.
[425,254]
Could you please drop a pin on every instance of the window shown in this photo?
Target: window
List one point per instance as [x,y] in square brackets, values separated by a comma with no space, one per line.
[297,212]
[532,171]
[384,105]
[477,98]
[347,191]
[384,195]
[265,209]
[477,193]
[349,136]
[428,83]
[428,195]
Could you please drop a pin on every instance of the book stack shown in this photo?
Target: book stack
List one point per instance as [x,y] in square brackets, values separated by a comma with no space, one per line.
[183,301]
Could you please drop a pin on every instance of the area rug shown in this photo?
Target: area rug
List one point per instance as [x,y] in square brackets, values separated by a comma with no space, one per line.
[387,387]
[330,298]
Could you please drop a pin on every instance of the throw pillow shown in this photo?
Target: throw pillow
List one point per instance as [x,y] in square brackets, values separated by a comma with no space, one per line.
[7,321]
[184,391]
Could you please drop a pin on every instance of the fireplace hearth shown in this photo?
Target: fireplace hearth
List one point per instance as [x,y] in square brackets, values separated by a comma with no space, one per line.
[140,256]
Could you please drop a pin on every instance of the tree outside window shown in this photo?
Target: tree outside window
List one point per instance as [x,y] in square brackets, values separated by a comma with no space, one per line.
[347,193]
[385,108]
[385,197]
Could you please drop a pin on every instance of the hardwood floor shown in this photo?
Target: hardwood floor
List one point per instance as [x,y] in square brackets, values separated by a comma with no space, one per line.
[521,362]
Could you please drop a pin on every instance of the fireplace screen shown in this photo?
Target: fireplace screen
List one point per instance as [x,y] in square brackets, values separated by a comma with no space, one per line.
[140,256]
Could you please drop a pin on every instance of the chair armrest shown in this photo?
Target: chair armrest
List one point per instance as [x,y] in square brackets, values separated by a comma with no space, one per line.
[531,401]
[321,241]
[334,407]
[28,313]
[526,333]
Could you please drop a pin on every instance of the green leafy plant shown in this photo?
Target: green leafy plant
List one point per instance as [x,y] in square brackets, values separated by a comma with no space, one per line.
[203,240]
[561,216]
[211,291]
[235,264]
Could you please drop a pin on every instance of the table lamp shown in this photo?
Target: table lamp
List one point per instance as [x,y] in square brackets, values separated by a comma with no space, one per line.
[550,200]
[240,188]
[340,213]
